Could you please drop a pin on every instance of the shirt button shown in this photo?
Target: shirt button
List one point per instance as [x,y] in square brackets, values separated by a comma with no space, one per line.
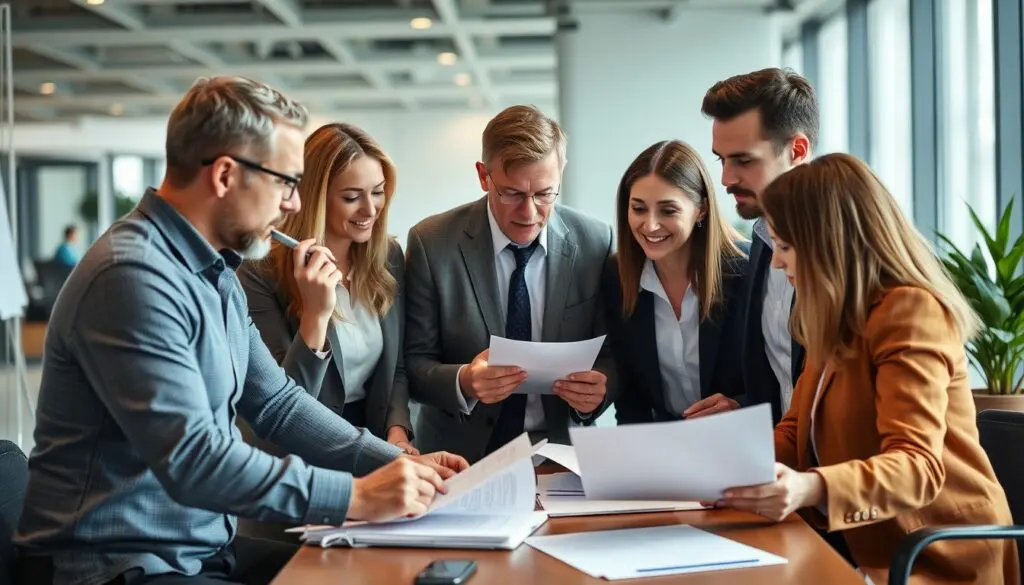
[326,520]
[856,516]
[874,513]
[849,518]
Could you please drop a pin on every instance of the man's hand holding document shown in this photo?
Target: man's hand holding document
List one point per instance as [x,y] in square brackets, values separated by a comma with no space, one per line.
[489,505]
[546,363]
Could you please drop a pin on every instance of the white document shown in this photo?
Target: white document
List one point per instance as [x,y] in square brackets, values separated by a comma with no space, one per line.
[561,494]
[649,552]
[481,531]
[544,362]
[564,455]
[688,460]
[490,506]
[13,298]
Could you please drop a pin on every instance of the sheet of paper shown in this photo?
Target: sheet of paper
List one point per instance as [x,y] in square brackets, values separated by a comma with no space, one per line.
[564,455]
[510,492]
[688,460]
[491,466]
[544,362]
[648,552]
[559,483]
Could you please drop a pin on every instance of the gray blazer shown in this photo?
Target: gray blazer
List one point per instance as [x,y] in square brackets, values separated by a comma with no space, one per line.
[387,396]
[452,309]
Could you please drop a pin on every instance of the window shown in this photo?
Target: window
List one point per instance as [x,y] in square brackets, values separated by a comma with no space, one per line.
[966,118]
[793,56]
[128,176]
[832,85]
[889,70]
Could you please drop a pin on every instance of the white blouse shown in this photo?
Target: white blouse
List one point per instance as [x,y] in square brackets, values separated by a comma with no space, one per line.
[361,341]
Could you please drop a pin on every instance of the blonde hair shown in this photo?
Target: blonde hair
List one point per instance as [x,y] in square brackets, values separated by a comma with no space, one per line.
[678,164]
[521,135]
[328,152]
[852,244]
[225,115]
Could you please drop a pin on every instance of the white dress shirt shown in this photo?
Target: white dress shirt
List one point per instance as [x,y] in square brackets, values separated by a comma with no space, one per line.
[361,341]
[678,341]
[536,279]
[778,342]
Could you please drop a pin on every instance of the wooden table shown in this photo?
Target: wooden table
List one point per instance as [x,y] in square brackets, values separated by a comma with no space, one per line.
[811,559]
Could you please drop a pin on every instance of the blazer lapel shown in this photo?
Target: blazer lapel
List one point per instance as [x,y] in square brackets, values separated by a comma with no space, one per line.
[337,358]
[708,337]
[478,254]
[561,256]
[806,409]
[641,334]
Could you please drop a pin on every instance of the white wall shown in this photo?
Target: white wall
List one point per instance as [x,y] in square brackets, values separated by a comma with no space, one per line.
[628,80]
[433,151]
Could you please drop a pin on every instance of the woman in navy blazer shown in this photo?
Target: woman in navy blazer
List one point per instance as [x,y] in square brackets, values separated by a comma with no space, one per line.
[673,291]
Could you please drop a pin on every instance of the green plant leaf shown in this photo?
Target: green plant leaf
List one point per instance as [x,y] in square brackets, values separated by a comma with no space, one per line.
[994,247]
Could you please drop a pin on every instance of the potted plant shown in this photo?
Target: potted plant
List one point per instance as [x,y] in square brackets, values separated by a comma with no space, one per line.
[995,289]
[88,208]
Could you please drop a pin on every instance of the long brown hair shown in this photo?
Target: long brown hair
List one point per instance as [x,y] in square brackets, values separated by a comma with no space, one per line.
[328,152]
[852,244]
[678,164]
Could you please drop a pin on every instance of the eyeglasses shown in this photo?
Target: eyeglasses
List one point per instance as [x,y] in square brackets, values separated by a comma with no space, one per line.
[539,199]
[290,183]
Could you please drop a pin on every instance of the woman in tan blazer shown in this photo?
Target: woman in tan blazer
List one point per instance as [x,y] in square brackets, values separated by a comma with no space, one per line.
[881,438]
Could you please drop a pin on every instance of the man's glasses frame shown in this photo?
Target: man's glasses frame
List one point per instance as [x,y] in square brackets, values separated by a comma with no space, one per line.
[539,199]
[289,180]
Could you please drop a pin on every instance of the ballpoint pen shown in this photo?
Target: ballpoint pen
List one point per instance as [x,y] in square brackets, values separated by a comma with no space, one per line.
[288,241]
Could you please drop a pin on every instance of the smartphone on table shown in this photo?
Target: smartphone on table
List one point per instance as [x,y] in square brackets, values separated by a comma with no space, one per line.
[446,572]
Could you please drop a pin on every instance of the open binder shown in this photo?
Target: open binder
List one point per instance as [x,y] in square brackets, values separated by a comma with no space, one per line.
[488,506]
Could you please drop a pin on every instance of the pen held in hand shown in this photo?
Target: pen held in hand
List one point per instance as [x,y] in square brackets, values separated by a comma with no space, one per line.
[287,241]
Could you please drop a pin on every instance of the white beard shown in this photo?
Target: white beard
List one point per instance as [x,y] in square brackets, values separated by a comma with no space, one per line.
[256,249]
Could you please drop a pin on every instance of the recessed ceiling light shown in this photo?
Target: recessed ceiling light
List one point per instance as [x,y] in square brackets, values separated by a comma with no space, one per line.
[94,2]
[47,88]
[447,58]
[463,79]
[116,109]
[421,23]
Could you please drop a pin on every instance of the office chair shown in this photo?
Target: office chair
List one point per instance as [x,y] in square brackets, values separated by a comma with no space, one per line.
[13,481]
[1002,435]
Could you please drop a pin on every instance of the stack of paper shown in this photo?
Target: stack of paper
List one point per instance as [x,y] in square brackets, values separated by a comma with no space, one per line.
[488,506]
[561,494]
[650,552]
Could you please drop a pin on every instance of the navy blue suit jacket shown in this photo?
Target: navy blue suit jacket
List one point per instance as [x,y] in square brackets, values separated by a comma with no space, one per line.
[633,343]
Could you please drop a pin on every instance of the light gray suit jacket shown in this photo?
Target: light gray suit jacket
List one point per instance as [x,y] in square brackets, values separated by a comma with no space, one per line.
[452,309]
[387,396]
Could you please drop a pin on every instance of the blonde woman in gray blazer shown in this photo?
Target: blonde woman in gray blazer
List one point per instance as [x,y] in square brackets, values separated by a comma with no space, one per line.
[331,310]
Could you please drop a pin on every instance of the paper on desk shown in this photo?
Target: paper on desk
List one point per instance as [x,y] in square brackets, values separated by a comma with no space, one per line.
[690,460]
[544,362]
[564,455]
[561,494]
[648,552]
[504,480]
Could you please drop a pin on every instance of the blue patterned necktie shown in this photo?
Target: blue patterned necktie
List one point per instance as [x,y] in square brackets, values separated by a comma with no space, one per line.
[518,325]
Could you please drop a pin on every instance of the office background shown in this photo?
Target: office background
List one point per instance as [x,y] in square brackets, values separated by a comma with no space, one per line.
[929,92]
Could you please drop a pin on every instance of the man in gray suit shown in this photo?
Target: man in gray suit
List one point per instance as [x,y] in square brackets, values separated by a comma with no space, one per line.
[511,264]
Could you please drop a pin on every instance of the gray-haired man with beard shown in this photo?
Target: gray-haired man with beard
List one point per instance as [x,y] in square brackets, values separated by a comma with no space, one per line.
[139,469]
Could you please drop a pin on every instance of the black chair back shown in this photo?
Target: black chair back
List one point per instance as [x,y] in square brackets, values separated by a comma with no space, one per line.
[1002,437]
[13,481]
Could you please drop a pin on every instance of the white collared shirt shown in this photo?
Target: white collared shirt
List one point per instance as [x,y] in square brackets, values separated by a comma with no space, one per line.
[362,343]
[778,342]
[678,342]
[536,280]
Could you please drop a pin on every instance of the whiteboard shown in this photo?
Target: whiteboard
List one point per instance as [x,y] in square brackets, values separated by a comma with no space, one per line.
[13,298]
